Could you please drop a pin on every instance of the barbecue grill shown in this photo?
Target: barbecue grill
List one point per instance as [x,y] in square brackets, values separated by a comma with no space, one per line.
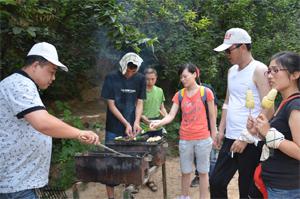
[141,161]
[110,168]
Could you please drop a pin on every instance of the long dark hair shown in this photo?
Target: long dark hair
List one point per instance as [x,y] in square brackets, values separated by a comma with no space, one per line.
[192,68]
[288,60]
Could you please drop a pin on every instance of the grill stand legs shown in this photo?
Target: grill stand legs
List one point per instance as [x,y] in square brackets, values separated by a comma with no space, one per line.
[164,179]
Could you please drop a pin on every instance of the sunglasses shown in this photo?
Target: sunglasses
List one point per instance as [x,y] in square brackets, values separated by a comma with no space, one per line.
[228,51]
[274,71]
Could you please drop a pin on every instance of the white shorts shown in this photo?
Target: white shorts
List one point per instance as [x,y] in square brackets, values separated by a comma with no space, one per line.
[188,149]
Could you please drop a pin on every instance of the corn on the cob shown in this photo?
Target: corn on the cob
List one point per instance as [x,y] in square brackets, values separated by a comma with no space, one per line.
[268,100]
[249,99]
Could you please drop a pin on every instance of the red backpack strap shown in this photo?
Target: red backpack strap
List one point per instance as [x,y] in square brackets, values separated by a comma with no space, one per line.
[286,101]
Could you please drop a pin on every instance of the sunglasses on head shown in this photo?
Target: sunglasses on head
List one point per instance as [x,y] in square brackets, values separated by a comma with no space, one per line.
[228,51]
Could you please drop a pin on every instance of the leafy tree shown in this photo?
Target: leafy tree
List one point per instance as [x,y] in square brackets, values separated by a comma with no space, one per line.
[72,25]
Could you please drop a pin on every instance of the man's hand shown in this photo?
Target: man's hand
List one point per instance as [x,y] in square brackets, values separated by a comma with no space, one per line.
[219,139]
[88,137]
[128,130]
[215,141]
[238,146]
[136,128]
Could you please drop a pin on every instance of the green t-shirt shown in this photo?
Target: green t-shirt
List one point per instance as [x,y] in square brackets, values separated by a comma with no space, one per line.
[151,106]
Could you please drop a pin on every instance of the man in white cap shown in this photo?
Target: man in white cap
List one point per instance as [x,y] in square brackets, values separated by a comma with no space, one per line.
[124,91]
[246,73]
[27,128]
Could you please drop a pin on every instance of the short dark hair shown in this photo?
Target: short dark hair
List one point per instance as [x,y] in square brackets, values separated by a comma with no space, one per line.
[33,58]
[131,65]
[150,71]
[192,68]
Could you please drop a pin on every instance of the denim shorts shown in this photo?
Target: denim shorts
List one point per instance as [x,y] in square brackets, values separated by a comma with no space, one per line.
[26,194]
[274,193]
[188,149]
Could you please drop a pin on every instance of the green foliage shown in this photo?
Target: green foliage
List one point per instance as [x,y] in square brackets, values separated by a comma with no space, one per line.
[188,31]
[62,163]
[72,26]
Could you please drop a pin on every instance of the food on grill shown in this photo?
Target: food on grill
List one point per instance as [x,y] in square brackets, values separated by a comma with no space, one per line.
[249,99]
[119,138]
[268,100]
[154,139]
[137,138]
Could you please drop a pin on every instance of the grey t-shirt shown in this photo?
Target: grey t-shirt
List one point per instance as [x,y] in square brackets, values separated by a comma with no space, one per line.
[25,153]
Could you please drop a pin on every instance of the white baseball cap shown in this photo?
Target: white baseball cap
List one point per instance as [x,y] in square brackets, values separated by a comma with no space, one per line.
[47,51]
[234,36]
[130,57]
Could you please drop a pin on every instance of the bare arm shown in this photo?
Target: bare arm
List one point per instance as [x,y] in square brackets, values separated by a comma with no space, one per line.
[222,124]
[138,115]
[167,119]
[263,86]
[163,110]
[112,107]
[49,125]
[212,119]
[145,119]
[292,148]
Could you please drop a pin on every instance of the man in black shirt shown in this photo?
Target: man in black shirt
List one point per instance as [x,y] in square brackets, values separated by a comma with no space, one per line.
[124,91]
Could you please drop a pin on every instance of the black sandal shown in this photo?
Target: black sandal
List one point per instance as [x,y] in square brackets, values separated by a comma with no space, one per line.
[152,186]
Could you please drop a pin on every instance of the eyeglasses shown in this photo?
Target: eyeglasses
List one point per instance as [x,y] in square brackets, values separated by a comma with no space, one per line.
[228,51]
[274,71]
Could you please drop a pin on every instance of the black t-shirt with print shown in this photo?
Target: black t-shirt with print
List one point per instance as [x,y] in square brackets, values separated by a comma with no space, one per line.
[125,92]
[279,170]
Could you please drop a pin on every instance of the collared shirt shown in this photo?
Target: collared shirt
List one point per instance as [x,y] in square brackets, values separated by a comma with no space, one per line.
[25,153]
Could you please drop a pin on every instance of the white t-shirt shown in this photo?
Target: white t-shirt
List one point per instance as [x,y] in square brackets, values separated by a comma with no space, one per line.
[25,153]
[237,113]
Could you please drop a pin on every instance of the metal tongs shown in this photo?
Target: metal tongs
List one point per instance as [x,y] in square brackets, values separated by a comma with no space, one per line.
[109,149]
[114,151]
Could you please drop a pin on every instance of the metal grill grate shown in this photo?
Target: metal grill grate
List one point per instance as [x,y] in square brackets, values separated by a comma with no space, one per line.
[51,193]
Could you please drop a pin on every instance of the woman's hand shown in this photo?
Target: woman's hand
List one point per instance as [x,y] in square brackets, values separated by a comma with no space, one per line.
[262,124]
[154,124]
[251,125]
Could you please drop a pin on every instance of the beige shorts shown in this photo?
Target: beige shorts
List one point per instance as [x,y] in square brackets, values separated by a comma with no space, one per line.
[188,149]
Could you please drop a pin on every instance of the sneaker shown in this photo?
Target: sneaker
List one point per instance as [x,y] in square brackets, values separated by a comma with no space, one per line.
[195,182]
[132,188]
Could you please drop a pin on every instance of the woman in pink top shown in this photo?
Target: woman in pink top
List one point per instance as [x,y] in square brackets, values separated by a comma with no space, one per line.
[195,138]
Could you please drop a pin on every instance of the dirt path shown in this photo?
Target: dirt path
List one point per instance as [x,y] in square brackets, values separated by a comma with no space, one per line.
[97,190]
[95,111]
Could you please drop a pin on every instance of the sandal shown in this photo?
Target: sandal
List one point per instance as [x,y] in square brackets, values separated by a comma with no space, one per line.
[152,186]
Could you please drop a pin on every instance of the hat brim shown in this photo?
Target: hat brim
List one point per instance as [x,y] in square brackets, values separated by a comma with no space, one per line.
[222,47]
[57,63]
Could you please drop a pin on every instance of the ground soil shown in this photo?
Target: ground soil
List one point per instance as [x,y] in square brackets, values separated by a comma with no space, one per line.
[94,111]
[97,190]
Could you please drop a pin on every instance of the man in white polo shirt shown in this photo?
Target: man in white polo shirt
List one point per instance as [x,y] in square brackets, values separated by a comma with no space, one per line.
[26,128]
[246,73]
